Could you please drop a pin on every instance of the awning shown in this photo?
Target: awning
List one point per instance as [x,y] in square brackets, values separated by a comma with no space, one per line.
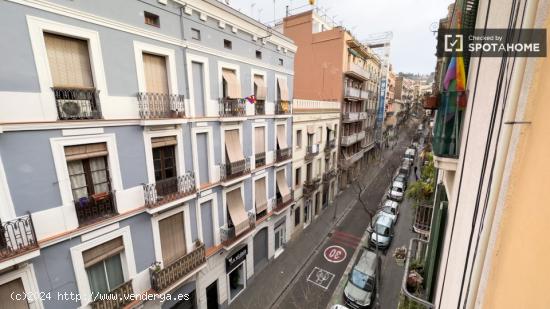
[283,88]
[260,195]
[261,91]
[237,213]
[80,152]
[282,185]
[281,137]
[259,140]
[103,251]
[233,146]
[163,141]
[233,85]
[310,129]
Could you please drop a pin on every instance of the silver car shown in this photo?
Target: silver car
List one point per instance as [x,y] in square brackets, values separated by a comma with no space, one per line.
[381,231]
[359,290]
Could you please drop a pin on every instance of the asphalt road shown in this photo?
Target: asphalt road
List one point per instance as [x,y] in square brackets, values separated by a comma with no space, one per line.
[314,286]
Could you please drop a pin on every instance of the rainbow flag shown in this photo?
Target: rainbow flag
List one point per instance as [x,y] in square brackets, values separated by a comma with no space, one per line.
[455,79]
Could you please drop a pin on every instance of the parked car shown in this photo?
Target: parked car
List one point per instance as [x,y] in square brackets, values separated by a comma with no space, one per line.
[381,232]
[410,153]
[338,306]
[396,191]
[420,128]
[391,207]
[405,169]
[361,285]
[403,178]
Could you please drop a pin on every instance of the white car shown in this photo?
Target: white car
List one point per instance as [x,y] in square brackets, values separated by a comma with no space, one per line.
[396,191]
[390,208]
[410,154]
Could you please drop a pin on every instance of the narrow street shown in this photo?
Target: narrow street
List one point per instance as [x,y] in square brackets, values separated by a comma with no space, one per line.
[303,289]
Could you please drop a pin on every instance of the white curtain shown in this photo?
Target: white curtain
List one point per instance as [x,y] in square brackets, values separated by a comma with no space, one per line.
[99,174]
[78,180]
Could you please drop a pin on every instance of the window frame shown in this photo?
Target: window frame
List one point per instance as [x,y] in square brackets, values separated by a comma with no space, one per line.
[227,44]
[155,19]
[196,34]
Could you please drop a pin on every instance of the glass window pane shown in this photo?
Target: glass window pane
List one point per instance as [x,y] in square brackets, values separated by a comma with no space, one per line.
[113,267]
[96,278]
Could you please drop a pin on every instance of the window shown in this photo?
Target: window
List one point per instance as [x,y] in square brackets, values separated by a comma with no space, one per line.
[296,216]
[88,170]
[258,54]
[151,19]
[298,138]
[172,238]
[103,266]
[69,61]
[298,177]
[164,157]
[195,34]
[227,44]
[8,289]
[281,61]
[156,75]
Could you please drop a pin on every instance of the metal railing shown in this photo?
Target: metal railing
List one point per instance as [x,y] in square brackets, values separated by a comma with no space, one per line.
[310,185]
[227,233]
[170,189]
[77,103]
[233,170]
[17,236]
[283,201]
[259,159]
[170,274]
[312,151]
[232,108]
[413,254]
[351,92]
[328,175]
[160,105]
[283,154]
[116,298]
[94,208]
[331,144]
[423,218]
[259,107]
[283,107]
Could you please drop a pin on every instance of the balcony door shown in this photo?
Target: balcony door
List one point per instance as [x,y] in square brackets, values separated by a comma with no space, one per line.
[164,163]
[198,89]
[203,162]
[14,287]
[172,238]
[156,76]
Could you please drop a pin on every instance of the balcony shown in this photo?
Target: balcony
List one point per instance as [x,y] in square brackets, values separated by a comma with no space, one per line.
[160,105]
[119,297]
[283,154]
[423,219]
[168,190]
[283,107]
[348,161]
[348,117]
[95,208]
[348,139]
[364,94]
[447,131]
[328,175]
[363,115]
[17,237]
[331,144]
[311,152]
[357,71]
[161,279]
[259,160]
[282,203]
[227,233]
[77,103]
[414,293]
[351,92]
[311,185]
[259,107]
[229,171]
[231,108]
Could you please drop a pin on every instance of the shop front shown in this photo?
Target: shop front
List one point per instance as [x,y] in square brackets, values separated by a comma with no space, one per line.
[235,267]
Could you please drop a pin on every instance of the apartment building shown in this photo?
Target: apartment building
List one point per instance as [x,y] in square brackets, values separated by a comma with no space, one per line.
[486,246]
[391,108]
[332,65]
[131,160]
[314,159]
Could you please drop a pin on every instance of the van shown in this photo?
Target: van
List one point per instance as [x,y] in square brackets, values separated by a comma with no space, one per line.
[361,285]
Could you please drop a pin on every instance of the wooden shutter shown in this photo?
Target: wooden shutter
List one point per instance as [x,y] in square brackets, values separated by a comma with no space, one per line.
[261,92]
[172,238]
[259,140]
[80,152]
[233,85]
[281,137]
[157,142]
[8,290]
[233,146]
[69,61]
[156,77]
[103,251]
[260,196]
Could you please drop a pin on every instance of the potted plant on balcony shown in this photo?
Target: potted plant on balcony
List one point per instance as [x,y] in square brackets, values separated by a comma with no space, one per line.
[400,255]
[198,243]
[155,267]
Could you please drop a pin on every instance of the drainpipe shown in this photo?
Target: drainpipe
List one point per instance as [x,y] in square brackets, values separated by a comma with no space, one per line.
[500,162]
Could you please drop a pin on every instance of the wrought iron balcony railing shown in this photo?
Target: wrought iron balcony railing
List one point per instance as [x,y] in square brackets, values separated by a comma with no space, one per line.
[423,218]
[94,208]
[77,103]
[283,154]
[283,201]
[115,299]
[170,274]
[331,144]
[312,151]
[232,108]
[17,236]
[259,107]
[160,105]
[170,189]
[283,107]
[227,233]
[259,159]
[328,175]
[233,170]
[311,185]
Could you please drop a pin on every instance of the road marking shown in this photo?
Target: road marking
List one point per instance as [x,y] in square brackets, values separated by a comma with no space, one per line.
[320,277]
[347,235]
[335,254]
[343,241]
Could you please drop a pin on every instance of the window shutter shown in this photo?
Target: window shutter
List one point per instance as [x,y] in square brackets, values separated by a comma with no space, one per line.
[260,195]
[156,77]
[281,137]
[172,238]
[233,85]
[103,251]
[80,152]
[69,61]
[233,146]
[259,140]
[261,93]
[157,142]
[283,88]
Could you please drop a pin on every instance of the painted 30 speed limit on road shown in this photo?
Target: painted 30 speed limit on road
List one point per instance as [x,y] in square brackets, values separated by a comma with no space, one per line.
[335,254]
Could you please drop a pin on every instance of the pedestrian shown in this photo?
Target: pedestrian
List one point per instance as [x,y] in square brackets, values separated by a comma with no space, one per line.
[415,172]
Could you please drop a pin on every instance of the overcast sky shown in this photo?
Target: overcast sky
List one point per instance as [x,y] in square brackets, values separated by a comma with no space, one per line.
[413,44]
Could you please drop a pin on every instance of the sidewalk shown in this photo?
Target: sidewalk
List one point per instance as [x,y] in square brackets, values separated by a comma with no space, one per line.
[264,289]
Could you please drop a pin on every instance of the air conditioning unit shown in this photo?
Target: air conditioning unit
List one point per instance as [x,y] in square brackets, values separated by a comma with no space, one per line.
[70,108]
